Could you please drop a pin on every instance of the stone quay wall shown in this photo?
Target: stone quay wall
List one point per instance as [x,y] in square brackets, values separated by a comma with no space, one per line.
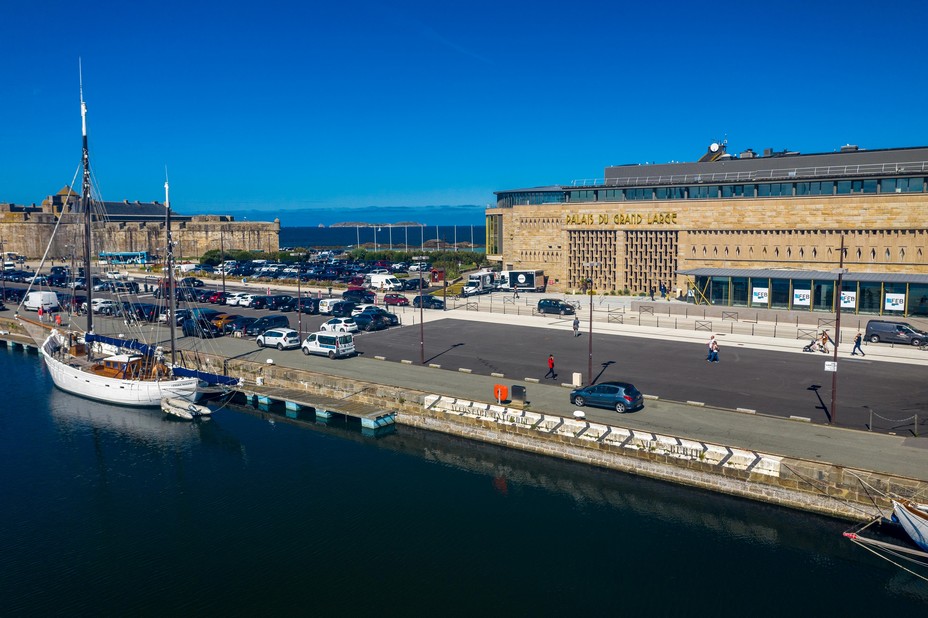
[795,483]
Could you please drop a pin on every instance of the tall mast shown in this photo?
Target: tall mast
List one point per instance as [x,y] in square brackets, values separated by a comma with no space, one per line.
[169,262]
[86,209]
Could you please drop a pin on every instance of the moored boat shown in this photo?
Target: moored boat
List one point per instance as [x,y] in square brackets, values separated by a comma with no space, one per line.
[184,409]
[913,517]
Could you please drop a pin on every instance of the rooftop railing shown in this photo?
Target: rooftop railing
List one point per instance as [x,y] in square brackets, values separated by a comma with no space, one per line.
[817,172]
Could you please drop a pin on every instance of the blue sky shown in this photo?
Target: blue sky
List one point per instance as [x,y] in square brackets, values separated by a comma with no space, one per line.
[317,112]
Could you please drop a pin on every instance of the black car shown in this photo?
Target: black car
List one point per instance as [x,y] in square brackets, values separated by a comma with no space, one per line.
[555,305]
[369,322]
[358,296]
[275,302]
[200,327]
[259,302]
[381,314]
[190,282]
[305,305]
[618,396]
[428,302]
[412,283]
[342,309]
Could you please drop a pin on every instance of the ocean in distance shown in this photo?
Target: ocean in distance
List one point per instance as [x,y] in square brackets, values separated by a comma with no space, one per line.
[383,237]
[110,511]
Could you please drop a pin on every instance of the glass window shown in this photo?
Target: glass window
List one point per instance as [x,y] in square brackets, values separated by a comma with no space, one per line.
[823,295]
[639,194]
[863,186]
[918,299]
[739,291]
[712,191]
[779,293]
[911,185]
[803,188]
[869,297]
[733,191]
[888,185]
[844,187]
[612,195]
[719,295]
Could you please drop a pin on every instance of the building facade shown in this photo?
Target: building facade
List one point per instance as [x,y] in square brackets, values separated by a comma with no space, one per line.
[725,219]
[126,227]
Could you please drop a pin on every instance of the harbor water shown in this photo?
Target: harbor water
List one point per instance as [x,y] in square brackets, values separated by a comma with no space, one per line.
[110,511]
[385,237]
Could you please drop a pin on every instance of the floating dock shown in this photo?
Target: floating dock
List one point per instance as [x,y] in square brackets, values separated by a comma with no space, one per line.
[296,401]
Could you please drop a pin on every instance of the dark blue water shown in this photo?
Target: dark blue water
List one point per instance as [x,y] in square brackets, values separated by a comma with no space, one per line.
[111,512]
[384,237]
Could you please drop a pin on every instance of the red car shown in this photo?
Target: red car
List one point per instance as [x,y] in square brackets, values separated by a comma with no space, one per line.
[395,299]
[219,298]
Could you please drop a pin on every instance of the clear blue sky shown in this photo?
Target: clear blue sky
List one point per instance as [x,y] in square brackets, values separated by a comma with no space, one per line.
[281,106]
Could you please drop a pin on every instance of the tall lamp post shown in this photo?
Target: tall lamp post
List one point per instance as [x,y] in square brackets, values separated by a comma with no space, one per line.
[421,260]
[834,374]
[589,290]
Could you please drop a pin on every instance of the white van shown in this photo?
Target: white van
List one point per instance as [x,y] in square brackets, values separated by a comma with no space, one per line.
[46,300]
[325,305]
[382,282]
[333,345]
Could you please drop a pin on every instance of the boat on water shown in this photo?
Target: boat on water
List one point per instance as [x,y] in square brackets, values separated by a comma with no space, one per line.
[184,409]
[113,369]
[913,517]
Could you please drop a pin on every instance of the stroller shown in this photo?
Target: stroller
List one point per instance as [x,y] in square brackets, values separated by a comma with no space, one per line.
[813,346]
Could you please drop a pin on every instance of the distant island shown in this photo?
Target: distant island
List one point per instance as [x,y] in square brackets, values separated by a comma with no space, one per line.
[365,224]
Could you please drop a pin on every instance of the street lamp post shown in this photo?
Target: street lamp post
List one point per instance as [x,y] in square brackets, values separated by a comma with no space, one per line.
[834,374]
[419,260]
[589,290]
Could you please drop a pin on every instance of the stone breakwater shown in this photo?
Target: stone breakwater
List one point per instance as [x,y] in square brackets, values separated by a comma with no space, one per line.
[792,482]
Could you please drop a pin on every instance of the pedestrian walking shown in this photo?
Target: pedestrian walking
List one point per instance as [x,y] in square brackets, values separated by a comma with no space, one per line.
[857,349]
[663,289]
[41,315]
[652,293]
[576,326]
[551,373]
[709,348]
[824,342]
[714,351]
[57,319]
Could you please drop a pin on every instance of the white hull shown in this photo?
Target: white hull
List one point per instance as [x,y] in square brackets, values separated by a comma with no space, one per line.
[181,408]
[914,520]
[73,379]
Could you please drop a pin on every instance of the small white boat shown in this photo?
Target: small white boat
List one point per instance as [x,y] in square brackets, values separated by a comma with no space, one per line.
[182,408]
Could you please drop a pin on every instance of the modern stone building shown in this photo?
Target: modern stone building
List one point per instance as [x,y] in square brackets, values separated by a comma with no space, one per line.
[126,226]
[752,230]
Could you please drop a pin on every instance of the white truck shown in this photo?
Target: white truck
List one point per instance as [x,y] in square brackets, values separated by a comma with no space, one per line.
[382,282]
[480,282]
[47,301]
[522,280]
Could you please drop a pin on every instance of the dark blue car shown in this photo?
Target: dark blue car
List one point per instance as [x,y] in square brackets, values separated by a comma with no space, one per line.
[619,396]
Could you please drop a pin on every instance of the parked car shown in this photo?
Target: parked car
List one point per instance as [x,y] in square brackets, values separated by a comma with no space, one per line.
[390,319]
[887,331]
[329,344]
[555,305]
[619,396]
[179,316]
[199,327]
[236,297]
[266,323]
[305,305]
[280,338]
[259,302]
[222,319]
[428,302]
[395,299]
[238,325]
[412,283]
[341,325]
[190,282]
[275,302]
[369,322]
[219,298]
[342,309]
[358,296]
